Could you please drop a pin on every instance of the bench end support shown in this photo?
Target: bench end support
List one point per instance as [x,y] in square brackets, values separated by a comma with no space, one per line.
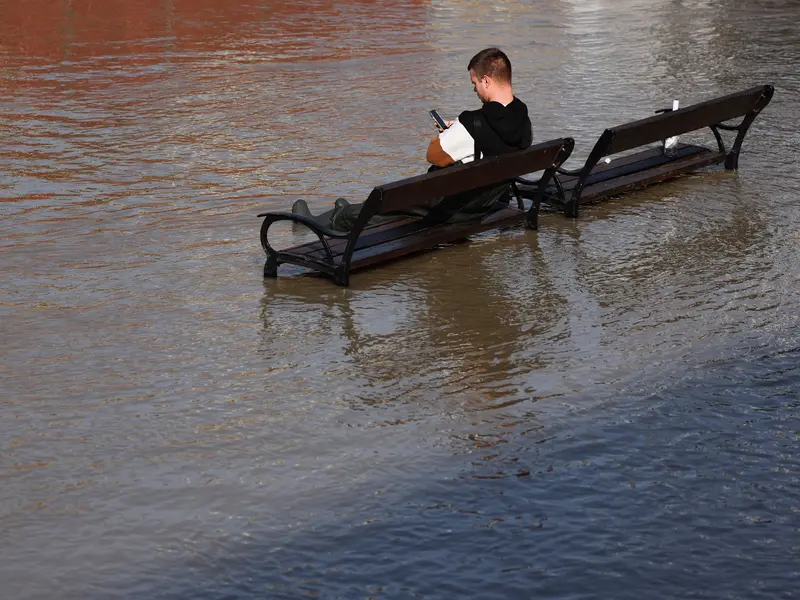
[571,206]
[342,275]
[601,148]
[271,267]
[732,159]
[532,215]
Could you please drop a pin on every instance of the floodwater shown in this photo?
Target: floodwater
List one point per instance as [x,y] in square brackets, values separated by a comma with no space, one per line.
[606,408]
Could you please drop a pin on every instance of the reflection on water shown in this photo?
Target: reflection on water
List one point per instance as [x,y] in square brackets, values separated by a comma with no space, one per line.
[463,330]
[614,397]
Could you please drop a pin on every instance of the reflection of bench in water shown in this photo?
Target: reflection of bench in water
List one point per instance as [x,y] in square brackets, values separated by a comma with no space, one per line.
[598,179]
[336,253]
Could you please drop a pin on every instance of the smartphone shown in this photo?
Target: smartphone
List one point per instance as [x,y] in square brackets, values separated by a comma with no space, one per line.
[438,120]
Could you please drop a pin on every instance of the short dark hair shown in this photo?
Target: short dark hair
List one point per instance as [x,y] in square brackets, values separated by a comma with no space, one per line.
[492,62]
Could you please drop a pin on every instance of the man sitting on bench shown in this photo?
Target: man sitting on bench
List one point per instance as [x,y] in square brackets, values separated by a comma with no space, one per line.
[500,126]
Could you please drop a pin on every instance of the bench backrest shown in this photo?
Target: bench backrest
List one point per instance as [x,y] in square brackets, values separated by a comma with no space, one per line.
[417,190]
[691,118]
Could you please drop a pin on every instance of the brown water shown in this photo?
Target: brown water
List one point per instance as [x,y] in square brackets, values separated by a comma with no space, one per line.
[605,408]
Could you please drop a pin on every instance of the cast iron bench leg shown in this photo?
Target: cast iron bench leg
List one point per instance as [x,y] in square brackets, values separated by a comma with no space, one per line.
[342,275]
[271,267]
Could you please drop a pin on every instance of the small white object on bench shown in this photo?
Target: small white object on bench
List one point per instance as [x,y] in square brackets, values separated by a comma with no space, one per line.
[673,141]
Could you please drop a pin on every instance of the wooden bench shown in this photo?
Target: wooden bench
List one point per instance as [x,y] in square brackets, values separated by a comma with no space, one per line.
[597,180]
[337,253]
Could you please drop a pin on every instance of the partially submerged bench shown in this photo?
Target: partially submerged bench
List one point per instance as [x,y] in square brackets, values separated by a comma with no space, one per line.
[597,180]
[337,253]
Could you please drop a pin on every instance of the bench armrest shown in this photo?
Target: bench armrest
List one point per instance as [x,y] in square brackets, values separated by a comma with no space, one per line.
[312,224]
[323,233]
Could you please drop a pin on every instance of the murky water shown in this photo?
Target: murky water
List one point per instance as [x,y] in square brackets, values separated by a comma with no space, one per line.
[605,408]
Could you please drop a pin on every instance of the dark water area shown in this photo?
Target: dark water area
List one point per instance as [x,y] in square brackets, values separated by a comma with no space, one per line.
[605,408]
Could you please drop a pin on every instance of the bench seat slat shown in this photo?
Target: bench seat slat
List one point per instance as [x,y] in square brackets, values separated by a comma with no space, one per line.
[413,237]
[645,166]
[338,246]
[371,236]
[398,229]
[409,227]
[640,162]
[655,174]
[433,236]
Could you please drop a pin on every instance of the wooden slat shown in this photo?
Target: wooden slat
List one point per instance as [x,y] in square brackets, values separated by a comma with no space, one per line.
[647,159]
[412,227]
[431,237]
[645,177]
[399,229]
[633,163]
[338,245]
[625,166]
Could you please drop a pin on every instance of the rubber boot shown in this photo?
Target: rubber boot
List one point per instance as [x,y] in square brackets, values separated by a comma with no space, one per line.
[300,207]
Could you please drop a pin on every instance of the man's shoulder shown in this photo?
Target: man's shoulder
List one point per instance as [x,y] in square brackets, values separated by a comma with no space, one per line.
[520,100]
[468,117]
[468,114]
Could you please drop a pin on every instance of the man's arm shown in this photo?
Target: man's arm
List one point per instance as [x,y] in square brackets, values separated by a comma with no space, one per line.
[452,145]
[436,156]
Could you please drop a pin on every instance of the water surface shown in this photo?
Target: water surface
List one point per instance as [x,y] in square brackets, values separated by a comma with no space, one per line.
[605,408]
